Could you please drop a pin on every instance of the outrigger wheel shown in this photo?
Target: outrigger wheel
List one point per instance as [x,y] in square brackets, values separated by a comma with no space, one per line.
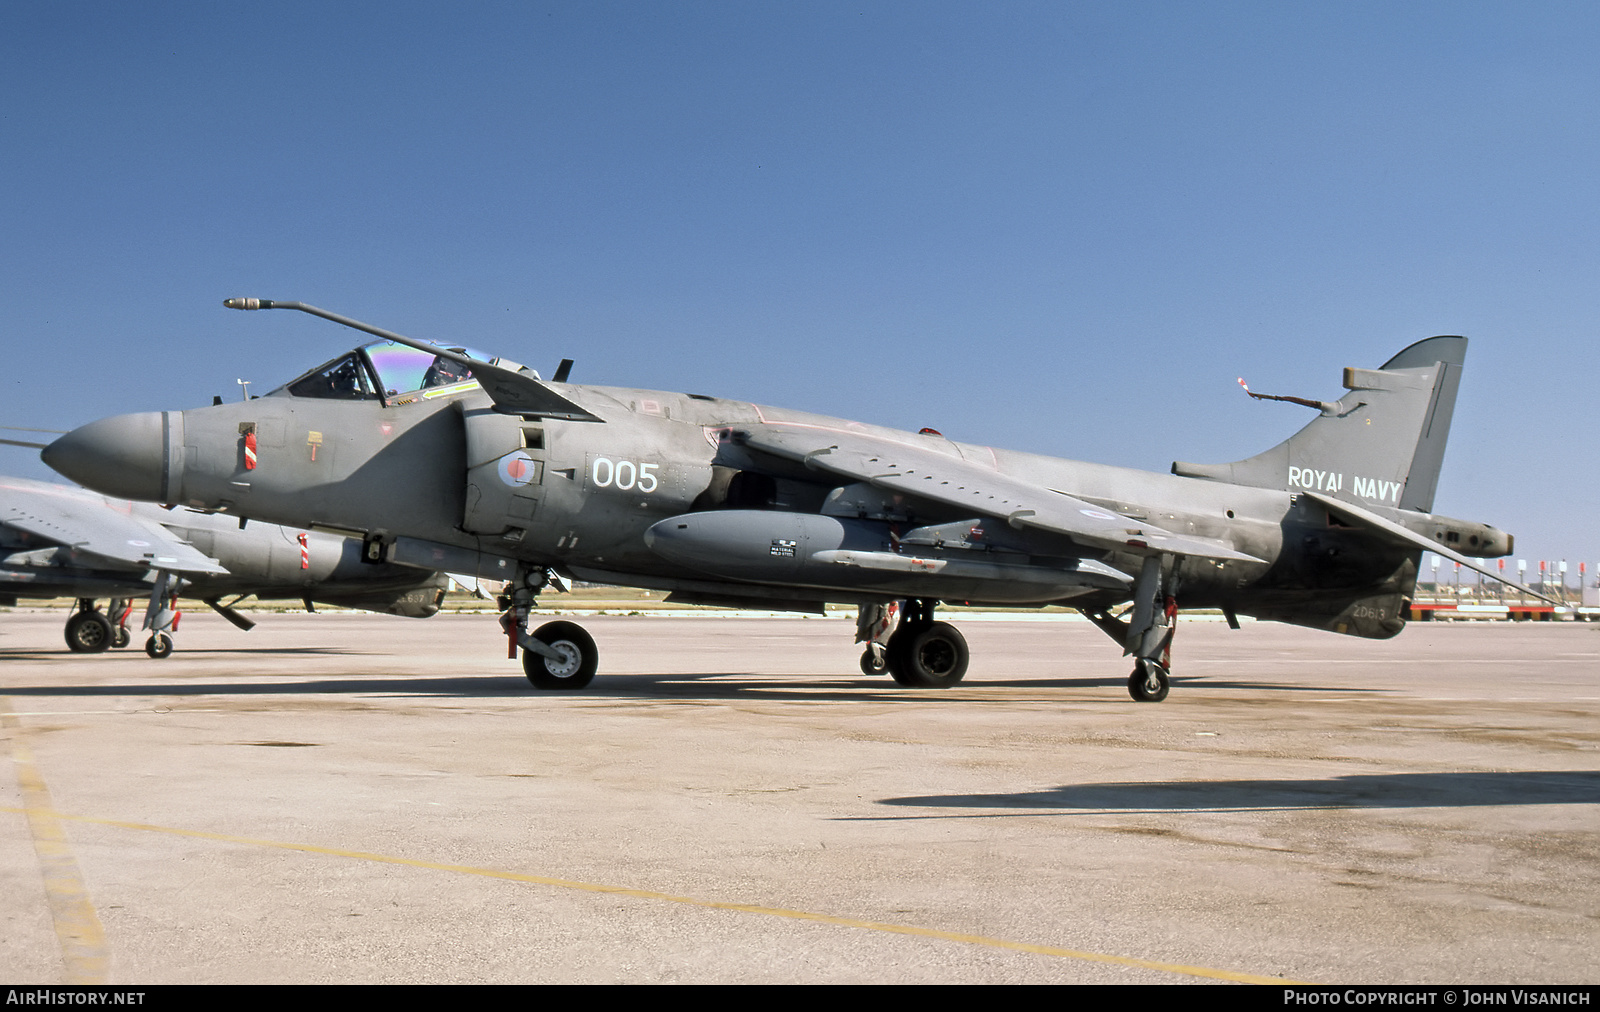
[1149,682]
[579,657]
[874,662]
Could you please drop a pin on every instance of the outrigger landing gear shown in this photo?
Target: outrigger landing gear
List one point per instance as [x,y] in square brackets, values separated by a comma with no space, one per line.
[557,655]
[1149,682]
[922,653]
[1147,635]
[874,624]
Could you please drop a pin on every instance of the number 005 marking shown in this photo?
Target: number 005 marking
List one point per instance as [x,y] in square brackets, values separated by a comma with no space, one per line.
[623,474]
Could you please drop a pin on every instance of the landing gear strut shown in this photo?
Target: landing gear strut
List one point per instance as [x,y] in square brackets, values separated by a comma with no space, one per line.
[557,655]
[923,653]
[1147,635]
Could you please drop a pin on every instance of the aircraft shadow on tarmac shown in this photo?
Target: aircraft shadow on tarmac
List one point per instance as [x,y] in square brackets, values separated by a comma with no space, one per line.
[1369,790]
[719,686]
[723,685]
[137,655]
[456,686]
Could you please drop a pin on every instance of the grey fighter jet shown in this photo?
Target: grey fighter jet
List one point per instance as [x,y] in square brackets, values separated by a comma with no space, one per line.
[57,541]
[441,456]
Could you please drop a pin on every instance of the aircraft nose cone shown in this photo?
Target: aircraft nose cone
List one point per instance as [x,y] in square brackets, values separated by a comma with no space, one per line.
[124,456]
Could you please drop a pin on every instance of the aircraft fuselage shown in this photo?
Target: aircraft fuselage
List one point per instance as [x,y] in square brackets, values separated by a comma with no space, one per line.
[584,494]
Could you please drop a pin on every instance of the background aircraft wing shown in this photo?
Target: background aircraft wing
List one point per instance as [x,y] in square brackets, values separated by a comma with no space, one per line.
[88,522]
[952,481]
[30,443]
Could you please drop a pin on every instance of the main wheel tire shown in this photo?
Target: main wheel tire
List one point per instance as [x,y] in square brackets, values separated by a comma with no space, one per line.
[158,646]
[579,657]
[1149,682]
[89,632]
[120,637]
[874,662]
[894,656]
[931,656]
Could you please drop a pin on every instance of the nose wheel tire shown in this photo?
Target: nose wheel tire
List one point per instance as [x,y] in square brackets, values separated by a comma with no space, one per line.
[89,632]
[874,662]
[577,665]
[931,656]
[1149,682]
[158,646]
[120,637]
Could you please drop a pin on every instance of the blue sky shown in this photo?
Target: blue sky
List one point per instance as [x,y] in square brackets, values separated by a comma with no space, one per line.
[1064,228]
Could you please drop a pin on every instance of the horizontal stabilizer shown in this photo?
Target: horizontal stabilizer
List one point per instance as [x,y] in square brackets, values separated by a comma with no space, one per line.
[1353,514]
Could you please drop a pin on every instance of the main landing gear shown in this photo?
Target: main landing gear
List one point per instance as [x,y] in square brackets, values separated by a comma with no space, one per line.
[919,652]
[557,655]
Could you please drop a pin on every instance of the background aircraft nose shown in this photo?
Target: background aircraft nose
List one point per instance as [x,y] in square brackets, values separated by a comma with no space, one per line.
[124,455]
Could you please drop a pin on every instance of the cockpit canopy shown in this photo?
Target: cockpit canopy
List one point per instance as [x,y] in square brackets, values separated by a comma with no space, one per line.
[383,370]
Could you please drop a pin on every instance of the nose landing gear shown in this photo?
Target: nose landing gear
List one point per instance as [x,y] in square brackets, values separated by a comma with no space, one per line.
[555,656]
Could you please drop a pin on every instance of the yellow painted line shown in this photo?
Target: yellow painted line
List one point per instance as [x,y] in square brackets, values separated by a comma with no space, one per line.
[648,894]
[83,941]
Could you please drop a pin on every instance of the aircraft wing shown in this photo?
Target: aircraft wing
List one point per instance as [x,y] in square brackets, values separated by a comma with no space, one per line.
[87,522]
[1352,514]
[952,481]
[517,393]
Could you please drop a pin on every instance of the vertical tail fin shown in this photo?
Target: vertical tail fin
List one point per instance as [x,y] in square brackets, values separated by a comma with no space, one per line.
[1381,444]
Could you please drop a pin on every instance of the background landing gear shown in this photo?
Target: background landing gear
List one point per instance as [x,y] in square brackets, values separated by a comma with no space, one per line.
[159,646]
[88,631]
